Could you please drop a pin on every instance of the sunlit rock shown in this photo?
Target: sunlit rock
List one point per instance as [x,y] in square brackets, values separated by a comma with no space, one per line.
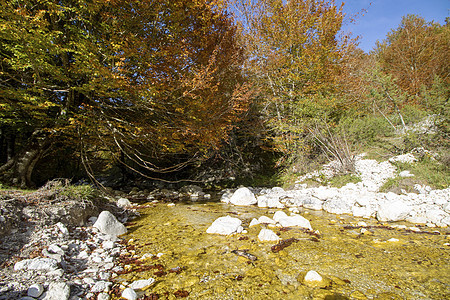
[243,197]
[58,291]
[393,211]
[225,226]
[109,225]
[123,203]
[267,235]
[142,284]
[294,221]
[129,294]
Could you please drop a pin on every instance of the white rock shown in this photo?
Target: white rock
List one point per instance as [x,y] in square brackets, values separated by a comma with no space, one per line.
[325,193]
[141,284]
[405,173]
[267,235]
[53,248]
[364,212]
[393,211]
[435,216]
[225,226]
[266,220]
[108,244]
[279,215]
[103,296]
[313,276]
[48,264]
[35,290]
[404,158]
[269,201]
[123,203]
[295,221]
[108,224]
[101,286]
[253,222]
[338,205]
[58,291]
[226,196]
[129,294]
[62,228]
[312,203]
[243,197]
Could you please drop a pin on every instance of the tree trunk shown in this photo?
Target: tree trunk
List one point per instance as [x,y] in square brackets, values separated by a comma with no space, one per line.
[19,169]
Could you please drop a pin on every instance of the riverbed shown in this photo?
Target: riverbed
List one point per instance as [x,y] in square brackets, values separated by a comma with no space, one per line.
[357,258]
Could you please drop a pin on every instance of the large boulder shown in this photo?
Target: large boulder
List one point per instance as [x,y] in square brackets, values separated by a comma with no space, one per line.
[38,263]
[393,211]
[108,224]
[225,226]
[243,197]
[295,221]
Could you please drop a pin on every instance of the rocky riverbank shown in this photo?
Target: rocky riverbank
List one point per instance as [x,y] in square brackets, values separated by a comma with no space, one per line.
[425,207]
[57,248]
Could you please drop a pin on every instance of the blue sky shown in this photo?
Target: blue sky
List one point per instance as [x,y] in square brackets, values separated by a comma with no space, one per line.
[384,15]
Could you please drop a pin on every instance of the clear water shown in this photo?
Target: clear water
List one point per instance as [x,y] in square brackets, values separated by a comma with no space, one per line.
[354,265]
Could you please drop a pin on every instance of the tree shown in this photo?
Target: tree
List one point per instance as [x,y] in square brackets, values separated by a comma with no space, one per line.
[415,53]
[296,59]
[133,81]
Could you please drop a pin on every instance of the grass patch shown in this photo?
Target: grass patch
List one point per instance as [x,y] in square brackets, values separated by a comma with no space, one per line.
[341,180]
[427,171]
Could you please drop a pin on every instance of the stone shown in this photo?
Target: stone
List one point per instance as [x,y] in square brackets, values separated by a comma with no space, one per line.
[35,290]
[243,197]
[267,235]
[405,173]
[142,284]
[253,222]
[225,226]
[46,264]
[62,228]
[279,215]
[312,276]
[338,206]
[58,291]
[123,203]
[269,201]
[393,211]
[435,216]
[312,203]
[108,224]
[103,296]
[266,220]
[295,221]
[129,294]
[101,286]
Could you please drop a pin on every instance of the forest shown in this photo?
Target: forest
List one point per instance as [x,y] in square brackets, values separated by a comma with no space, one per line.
[207,90]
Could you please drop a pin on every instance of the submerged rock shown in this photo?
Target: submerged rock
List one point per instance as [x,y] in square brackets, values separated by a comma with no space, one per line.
[225,226]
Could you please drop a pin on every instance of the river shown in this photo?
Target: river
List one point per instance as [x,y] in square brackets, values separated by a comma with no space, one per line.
[375,261]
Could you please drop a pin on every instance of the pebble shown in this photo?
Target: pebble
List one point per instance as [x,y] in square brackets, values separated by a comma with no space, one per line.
[35,290]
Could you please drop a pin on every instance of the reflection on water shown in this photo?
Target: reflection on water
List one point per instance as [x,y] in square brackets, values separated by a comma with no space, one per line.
[380,263]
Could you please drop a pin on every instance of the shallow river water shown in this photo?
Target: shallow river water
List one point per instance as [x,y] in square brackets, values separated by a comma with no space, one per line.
[355,265]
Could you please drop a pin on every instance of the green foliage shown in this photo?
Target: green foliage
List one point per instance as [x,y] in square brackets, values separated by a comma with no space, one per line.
[427,171]
[341,180]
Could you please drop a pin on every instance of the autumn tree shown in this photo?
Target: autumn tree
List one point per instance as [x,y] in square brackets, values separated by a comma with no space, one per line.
[416,52]
[130,81]
[296,57]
